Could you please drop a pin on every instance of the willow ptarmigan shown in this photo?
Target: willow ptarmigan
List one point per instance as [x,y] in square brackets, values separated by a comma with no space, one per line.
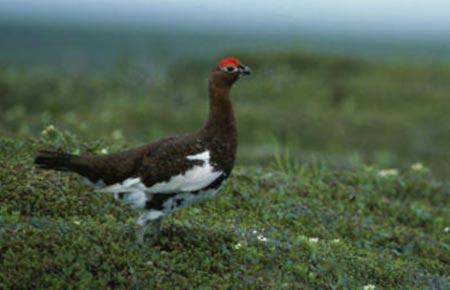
[172,173]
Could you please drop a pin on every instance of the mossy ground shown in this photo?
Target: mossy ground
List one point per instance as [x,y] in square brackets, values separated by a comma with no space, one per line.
[315,215]
[280,227]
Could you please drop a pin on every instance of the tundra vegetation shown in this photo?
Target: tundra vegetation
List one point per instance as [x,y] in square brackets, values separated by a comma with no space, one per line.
[341,181]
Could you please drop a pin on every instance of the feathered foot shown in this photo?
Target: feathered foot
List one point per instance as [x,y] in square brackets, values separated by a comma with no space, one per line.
[143,221]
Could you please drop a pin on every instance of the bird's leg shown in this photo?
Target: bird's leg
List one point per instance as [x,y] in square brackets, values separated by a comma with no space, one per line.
[158,226]
[144,219]
[141,224]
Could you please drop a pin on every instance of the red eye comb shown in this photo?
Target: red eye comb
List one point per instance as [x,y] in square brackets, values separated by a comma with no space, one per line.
[230,61]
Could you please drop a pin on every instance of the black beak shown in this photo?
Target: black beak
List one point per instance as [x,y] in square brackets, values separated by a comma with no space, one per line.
[244,70]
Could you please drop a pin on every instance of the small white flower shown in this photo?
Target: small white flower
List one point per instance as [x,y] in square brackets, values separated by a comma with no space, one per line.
[254,232]
[48,129]
[388,172]
[446,229]
[237,246]
[117,134]
[104,151]
[313,240]
[417,166]
[261,238]
[369,287]
[77,223]
[335,240]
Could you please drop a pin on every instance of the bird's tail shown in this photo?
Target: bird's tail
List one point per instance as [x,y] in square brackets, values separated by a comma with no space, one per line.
[57,161]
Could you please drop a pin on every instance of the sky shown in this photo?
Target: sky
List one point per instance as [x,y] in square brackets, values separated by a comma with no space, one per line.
[397,17]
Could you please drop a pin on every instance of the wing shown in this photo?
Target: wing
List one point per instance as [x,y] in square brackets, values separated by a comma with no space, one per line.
[198,175]
[172,168]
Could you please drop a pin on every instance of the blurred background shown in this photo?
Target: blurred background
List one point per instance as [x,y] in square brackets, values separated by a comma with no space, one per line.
[343,83]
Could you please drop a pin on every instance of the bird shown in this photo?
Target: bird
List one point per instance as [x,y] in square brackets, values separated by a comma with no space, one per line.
[172,173]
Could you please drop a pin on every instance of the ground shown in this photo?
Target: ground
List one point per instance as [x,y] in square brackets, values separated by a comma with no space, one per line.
[283,226]
[341,179]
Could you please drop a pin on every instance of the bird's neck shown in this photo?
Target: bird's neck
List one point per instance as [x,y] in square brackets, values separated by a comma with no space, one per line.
[221,121]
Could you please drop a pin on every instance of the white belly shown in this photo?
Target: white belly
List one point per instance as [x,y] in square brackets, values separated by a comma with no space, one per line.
[183,200]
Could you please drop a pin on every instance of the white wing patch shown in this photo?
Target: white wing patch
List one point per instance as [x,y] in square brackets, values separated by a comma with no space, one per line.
[204,156]
[128,185]
[194,179]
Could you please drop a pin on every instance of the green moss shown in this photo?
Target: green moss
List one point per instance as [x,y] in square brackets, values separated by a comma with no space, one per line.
[309,227]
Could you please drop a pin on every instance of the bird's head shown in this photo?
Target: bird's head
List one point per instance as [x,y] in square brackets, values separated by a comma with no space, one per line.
[229,70]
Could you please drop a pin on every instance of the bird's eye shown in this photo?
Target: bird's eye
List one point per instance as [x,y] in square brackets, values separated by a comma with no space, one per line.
[231,69]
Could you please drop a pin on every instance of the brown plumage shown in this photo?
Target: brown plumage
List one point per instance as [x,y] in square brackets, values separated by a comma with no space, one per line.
[171,173]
